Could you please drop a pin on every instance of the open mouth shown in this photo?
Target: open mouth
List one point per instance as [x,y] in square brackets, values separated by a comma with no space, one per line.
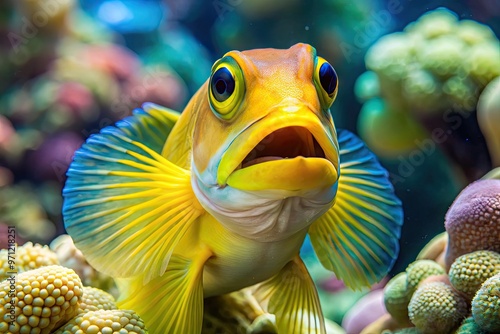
[285,143]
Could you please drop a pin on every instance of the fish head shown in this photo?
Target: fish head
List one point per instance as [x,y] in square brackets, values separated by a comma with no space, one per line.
[264,134]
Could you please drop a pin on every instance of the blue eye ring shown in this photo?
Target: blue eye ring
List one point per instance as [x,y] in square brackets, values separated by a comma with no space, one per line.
[328,78]
[222,84]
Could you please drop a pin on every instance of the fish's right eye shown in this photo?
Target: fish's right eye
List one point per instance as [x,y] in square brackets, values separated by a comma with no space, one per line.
[226,88]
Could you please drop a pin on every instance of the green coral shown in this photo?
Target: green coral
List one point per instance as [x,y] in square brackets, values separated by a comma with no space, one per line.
[469,271]
[27,257]
[486,305]
[469,326]
[397,297]
[419,270]
[436,308]
[104,322]
[40,300]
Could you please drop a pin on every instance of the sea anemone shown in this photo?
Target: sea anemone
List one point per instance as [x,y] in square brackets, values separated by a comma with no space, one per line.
[104,322]
[486,305]
[473,220]
[469,271]
[26,257]
[436,308]
[40,300]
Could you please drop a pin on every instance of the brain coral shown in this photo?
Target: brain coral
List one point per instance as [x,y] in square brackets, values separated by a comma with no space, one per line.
[40,300]
[486,305]
[27,257]
[104,322]
[436,308]
[473,220]
[470,270]
[421,269]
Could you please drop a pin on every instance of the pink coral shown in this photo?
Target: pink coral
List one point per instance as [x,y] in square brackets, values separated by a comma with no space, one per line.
[473,220]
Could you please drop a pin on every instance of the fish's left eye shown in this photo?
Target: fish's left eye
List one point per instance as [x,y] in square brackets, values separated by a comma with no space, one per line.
[326,82]
[226,88]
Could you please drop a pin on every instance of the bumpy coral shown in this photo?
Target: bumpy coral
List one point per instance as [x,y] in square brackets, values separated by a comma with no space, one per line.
[397,297]
[469,326]
[473,220]
[96,299]
[105,322]
[421,269]
[40,300]
[71,257]
[436,308]
[486,305]
[26,257]
[469,271]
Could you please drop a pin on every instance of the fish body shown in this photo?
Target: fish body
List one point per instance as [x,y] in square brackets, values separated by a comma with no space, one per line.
[182,207]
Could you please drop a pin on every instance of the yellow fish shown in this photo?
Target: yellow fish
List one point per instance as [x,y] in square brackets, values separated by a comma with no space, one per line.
[178,207]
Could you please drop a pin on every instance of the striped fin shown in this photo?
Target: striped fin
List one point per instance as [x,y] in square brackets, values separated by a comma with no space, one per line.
[292,297]
[358,237]
[125,206]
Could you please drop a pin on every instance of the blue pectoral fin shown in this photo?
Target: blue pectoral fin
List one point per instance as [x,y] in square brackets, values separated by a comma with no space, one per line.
[125,205]
[358,237]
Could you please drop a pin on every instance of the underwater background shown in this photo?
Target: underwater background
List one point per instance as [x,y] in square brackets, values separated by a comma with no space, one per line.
[411,75]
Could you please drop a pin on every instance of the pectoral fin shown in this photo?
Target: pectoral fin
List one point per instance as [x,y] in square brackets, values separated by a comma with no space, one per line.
[125,205]
[358,237]
[172,303]
[292,297]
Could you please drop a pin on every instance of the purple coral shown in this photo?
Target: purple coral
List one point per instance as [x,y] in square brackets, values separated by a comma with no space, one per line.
[473,220]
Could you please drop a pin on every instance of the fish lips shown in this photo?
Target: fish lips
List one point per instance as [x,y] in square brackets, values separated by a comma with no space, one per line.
[289,149]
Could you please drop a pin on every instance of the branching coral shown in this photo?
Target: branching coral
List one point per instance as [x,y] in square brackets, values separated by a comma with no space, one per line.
[40,300]
[28,257]
[486,305]
[473,220]
[469,271]
[104,322]
[436,308]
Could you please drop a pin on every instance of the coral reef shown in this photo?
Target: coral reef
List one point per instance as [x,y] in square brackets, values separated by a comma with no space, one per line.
[42,299]
[436,308]
[397,297]
[470,270]
[28,257]
[419,270]
[486,305]
[423,84]
[472,221]
[104,322]
[95,299]
[71,257]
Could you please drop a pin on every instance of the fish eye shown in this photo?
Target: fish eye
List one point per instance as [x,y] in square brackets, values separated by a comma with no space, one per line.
[226,88]
[328,78]
[222,84]
[326,82]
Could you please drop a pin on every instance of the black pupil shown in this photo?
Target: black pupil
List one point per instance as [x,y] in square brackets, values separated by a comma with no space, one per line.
[222,84]
[328,78]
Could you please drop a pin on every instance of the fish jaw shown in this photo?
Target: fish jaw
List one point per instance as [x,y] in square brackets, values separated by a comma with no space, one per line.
[290,149]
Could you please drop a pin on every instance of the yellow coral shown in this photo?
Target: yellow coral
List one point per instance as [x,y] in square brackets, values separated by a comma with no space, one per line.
[27,257]
[486,305]
[469,271]
[40,300]
[104,322]
[436,308]
[419,270]
[96,299]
